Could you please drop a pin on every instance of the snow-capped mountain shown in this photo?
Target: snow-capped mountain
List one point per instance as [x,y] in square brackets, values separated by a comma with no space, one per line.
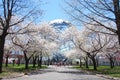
[60,24]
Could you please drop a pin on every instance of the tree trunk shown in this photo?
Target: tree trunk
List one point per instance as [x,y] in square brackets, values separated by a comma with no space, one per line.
[18,61]
[111,63]
[86,62]
[2,42]
[94,63]
[40,61]
[48,63]
[6,63]
[26,64]
[118,30]
[34,61]
[13,62]
[119,36]
[117,17]
[26,60]
[80,63]
[97,62]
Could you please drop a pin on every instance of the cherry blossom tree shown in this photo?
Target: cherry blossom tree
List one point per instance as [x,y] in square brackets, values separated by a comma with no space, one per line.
[89,42]
[9,9]
[46,48]
[8,52]
[100,13]
[47,40]
[19,57]
[75,54]
[95,42]
[23,44]
[111,50]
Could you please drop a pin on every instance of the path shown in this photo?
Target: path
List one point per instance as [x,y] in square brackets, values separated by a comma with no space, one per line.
[59,73]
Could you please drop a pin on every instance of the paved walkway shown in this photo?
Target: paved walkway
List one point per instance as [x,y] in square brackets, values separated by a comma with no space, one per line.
[59,73]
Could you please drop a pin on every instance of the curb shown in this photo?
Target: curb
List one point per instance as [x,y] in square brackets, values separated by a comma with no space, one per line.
[101,75]
[15,76]
[108,77]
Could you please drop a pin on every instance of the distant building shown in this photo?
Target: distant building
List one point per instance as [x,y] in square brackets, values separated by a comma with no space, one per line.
[13,57]
[103,60]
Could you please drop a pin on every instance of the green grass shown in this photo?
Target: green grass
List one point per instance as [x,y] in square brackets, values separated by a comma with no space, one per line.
[18,69]
[115,72]
[106,70]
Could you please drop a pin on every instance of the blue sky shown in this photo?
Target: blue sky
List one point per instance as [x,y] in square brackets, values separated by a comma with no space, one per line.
[53,10]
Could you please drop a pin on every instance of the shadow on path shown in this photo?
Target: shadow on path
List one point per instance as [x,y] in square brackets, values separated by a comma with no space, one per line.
[72,72]
[62,69]
[59,73]
[41,71]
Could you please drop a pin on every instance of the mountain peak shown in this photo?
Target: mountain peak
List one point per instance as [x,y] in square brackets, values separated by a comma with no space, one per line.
[59,21]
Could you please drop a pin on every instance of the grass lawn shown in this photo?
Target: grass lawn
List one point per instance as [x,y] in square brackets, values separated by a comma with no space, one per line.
[115,72]
[10,70]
